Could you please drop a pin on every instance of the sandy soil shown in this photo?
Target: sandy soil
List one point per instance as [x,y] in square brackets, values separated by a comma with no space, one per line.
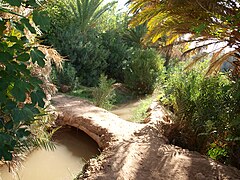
[146,155]
[143,153]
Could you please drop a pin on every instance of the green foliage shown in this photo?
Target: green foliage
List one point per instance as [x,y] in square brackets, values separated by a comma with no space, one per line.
[21,93]
[104,94]
[66,76]
[86,53]
[140,113]
[113,20]
[176,19]
[207,110]
[89,59]
[143,70]
[134,36]
[118,57]
[83,92]
[73,33]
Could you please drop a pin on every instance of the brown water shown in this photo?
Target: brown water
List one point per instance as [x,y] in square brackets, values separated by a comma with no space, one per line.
[126,111]
[73,148]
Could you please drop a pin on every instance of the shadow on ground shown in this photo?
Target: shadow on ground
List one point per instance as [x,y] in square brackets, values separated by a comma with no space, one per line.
[146,155]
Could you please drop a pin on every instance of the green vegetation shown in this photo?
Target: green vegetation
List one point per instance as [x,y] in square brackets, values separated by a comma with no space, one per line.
[22,96]
[74,34]
[143,70]
[206,108]
[103,95]
[207,111]
[82,92]
[95,39]
[65,79]
[217,23]
[140,113]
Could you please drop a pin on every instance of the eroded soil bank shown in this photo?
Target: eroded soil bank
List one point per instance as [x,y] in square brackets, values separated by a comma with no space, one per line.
[136,151]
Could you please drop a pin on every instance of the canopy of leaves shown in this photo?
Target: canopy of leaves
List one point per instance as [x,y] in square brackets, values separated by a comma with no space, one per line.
[211,22]
[21,92]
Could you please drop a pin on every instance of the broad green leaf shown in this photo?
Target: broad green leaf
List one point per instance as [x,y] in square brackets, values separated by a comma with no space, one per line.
[23,57]
[10,104]
[3,97]
[22,132]
[35,81]
[1,123]
[14,2]
[32,3]
[24,114]
[13,38]
[2,26]
[37,56]
[33,108]
[24,39]
[25,71]
[19,27]
[9,125]
[37,97]
[16,47]
[4,83]
[7,155]
[28,25]
[5,56]
[19,91]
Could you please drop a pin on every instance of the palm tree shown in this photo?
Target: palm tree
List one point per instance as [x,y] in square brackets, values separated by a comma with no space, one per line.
[86,12]
[205,22]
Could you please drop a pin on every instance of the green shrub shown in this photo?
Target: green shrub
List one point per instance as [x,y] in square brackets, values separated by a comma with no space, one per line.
[85,52]
[118,54]
[143,70]
[207,110]
[74,34]
[65,79]
[104,94]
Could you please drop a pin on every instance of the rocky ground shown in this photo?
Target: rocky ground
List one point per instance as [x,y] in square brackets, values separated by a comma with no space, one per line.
[142,152]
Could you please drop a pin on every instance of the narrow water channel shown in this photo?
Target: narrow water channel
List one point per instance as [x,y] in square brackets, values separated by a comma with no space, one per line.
[126,110]
[73,149]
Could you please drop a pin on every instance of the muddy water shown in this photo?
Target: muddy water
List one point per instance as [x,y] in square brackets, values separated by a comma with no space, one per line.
[73,148]
[126,111]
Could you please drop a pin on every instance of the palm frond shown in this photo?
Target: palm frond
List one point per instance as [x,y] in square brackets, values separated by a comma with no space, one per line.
[215,66]
[87,12]
[199,47]
[195,60]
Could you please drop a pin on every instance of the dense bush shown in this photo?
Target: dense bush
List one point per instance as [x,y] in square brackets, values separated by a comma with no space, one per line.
[143,70]
[207,111]
[75,33]
[85,51]
[118,54]
[66,77]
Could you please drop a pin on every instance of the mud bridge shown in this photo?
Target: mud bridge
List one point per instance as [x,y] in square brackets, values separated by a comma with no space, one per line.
[133,151]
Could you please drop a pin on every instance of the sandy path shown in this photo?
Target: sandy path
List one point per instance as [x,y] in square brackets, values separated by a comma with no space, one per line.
[137,152]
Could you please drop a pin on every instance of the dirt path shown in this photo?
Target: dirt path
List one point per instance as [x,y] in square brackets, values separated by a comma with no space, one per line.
[137,152]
